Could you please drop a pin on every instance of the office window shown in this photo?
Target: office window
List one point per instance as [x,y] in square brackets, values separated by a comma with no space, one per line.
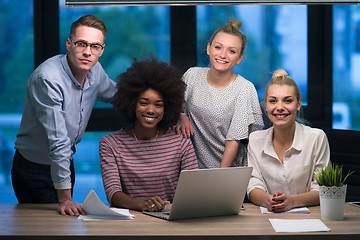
[16,65]
[87,167]
[133,32]
[346,71]
[276,38]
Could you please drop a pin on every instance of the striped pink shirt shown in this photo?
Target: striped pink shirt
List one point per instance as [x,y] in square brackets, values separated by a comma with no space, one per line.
[146,168]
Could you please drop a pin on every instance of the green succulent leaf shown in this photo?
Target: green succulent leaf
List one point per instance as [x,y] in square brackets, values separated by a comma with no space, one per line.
[331,175]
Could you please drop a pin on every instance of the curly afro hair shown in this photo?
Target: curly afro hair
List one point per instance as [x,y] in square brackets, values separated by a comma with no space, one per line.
[154,74]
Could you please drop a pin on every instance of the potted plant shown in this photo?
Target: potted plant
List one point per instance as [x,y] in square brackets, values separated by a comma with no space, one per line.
[332,191]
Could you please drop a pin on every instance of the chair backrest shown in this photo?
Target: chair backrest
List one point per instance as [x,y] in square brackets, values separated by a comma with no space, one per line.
[345,151]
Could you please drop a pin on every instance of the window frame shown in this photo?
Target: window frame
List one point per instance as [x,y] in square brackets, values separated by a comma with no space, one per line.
[183,55]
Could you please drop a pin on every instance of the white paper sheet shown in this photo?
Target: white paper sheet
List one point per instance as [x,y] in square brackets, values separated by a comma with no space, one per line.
[298,225]
[97,210]
[294,210]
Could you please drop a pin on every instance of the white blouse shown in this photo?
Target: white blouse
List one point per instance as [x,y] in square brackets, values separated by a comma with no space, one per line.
[309,152]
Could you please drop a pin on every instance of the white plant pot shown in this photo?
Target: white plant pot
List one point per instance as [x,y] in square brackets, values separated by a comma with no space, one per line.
[332,201]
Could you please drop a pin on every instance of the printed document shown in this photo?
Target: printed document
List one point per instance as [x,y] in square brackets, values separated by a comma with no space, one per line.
[96,210]
[298,225]
[294,210]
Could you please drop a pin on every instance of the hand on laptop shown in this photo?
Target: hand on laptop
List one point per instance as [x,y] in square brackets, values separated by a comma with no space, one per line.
[155,204]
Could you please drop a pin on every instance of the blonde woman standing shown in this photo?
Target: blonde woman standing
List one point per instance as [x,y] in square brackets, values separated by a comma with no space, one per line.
[222,107]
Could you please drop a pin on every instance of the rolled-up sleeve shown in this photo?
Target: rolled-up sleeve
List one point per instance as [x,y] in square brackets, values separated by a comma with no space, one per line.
[256,179]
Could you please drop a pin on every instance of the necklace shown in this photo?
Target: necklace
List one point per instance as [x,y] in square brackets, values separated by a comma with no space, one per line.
[136,139]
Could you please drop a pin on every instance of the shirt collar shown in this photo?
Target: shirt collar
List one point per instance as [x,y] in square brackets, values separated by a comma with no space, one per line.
[89,77]
[297,144]
[268,148]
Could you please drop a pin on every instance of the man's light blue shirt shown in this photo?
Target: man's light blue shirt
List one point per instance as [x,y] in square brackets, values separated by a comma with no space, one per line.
[56,112]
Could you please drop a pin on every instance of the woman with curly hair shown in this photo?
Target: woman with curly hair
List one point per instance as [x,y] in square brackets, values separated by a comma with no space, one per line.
[141,164]
[222,108]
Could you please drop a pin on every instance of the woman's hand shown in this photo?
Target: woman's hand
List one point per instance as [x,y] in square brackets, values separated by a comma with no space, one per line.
[280,202]
[270,202]
[184,127]
[155,204]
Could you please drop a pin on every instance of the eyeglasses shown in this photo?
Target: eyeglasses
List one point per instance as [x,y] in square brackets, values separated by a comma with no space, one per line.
[82,45]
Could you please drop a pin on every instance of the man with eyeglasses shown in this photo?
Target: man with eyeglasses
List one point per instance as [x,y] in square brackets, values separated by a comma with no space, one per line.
[60,95]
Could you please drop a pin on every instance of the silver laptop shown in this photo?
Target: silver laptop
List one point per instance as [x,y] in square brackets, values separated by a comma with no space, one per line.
[208,193]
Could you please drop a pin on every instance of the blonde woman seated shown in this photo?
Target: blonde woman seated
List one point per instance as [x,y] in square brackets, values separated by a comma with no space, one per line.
[286,156]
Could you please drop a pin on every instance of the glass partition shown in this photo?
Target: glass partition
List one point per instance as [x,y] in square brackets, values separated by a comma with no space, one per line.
[16,65]
[346,70]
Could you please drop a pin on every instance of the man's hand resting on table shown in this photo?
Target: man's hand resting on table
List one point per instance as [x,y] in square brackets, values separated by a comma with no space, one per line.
[66,205]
